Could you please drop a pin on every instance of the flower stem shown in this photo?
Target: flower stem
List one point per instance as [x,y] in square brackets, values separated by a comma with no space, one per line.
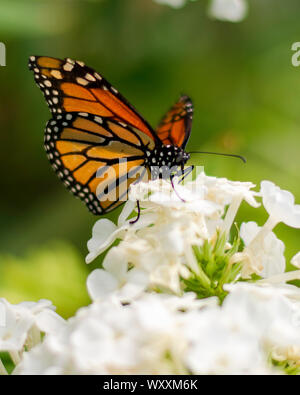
[34,338]
[204,279]
[15,357]
[3,371]
[231,213]
[282,278]
[225,275]
[265,229]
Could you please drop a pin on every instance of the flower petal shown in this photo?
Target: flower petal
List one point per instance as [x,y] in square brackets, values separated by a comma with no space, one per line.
[100,283]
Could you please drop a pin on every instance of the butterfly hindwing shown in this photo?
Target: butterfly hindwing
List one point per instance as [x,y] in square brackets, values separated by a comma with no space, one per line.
[175,127]
[97,159]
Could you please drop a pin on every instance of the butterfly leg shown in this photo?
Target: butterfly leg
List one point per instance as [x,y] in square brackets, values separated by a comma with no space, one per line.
[186,172]
[134,221]
[172,183]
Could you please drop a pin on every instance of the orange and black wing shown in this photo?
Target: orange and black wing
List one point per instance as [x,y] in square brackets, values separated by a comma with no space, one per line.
[96,142]
[175,127]
[71,86]
[96,158]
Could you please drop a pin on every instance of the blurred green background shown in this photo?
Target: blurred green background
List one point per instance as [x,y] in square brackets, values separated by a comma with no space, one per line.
[246,95]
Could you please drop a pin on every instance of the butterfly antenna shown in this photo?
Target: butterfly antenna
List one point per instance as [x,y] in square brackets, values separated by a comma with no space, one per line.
[219,153]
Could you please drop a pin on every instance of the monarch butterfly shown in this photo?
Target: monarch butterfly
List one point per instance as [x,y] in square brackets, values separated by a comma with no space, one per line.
[94,128]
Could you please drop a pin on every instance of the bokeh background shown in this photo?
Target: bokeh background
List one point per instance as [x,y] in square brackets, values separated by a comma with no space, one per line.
[246,95]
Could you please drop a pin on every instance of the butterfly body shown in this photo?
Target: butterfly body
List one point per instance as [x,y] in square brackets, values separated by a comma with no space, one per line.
[97,143]
[166,155]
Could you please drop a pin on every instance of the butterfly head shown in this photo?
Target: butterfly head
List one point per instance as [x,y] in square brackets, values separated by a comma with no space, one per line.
[165,159]
[167,155]
[181,157]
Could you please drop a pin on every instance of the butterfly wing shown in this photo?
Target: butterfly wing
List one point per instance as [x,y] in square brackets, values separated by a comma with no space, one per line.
[71,86]
[97,159]
[175,127]
[96,141]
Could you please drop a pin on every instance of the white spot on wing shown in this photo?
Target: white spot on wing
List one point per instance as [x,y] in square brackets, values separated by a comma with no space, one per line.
[90,77]
[82,81]
[68,66]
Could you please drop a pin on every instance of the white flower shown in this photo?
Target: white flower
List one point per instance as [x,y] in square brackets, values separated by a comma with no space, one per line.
[17,322]
[39,361]
[295,261]
[116,280]
[162,250]
[266,259]
[186,302]
[264,252]
[238,337]
[181,217]
[44,317]
[281,279]
[23,323]
[163,334]
[225,10]
[21,326]
[105,232]
[157,334]
[273,314]
[137,323]
[160,194]
[223,345]
[228,10]
[172,3]
[225,192]
[108,338]
[150,255]
[280,205]
[47,321]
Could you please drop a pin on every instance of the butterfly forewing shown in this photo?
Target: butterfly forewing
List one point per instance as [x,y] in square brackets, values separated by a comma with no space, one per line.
[71,86]
[175,127]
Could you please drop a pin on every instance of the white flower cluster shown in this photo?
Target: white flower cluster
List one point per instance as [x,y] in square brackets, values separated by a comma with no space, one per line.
[224,10]
[22,325]
[162,334]
[172,3]
[160,255]
[169,299]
